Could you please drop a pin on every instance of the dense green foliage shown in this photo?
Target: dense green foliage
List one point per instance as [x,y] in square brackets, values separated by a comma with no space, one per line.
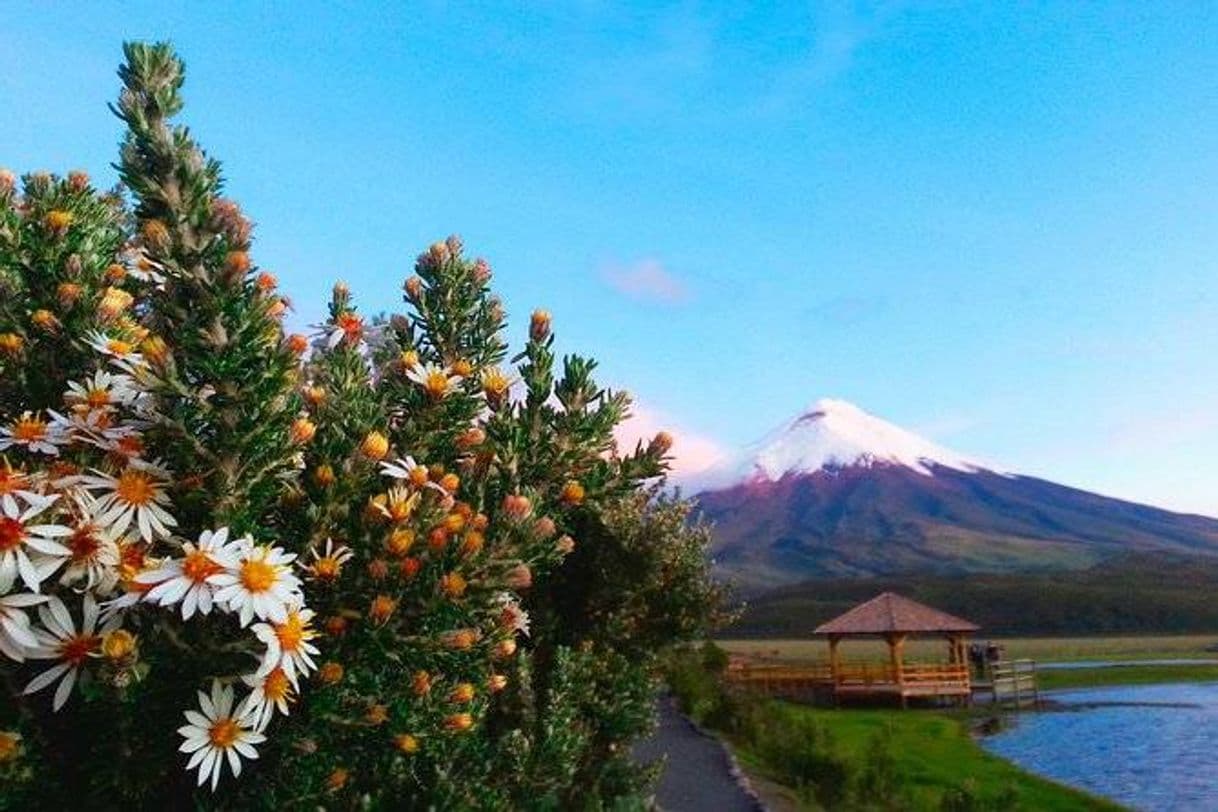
[1136,594]
[483,581]
[862,759]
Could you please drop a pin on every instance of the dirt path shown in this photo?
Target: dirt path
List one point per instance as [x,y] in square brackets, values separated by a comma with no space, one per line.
[697,776]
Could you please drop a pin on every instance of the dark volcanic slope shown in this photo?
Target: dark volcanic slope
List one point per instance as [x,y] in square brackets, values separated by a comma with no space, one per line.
[886,519]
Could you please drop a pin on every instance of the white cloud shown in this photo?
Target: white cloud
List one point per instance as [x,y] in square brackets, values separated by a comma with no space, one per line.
[646,280]
[692,453]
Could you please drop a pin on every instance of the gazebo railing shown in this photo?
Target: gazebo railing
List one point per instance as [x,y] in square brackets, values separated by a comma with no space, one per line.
[861,674]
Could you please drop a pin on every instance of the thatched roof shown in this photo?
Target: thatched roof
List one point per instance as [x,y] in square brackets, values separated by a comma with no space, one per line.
[890,613]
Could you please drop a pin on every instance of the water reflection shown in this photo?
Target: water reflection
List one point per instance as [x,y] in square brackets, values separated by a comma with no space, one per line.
[1152,747]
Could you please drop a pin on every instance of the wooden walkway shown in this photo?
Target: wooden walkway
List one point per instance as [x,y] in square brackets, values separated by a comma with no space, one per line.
[855,680]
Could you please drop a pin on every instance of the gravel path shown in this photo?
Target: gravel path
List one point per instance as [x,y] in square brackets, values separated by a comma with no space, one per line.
[698,774]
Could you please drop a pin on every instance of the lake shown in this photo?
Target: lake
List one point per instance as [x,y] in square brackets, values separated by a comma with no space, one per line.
[1151,747]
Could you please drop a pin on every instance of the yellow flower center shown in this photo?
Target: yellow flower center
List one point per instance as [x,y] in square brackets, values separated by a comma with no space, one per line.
[436,383]
[135,487]
[223,733]
[198,566]
[12,533]
[326,568]
[29,429]
[258,576]
[11,480]
[97,397]
[277,686]
[118,347]
[292,632]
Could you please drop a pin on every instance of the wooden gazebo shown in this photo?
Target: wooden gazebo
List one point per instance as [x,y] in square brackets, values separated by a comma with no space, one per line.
[894,619]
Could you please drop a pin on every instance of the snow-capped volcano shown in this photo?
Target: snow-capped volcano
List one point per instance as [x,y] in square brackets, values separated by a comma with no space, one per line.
[837,434]
[837,491]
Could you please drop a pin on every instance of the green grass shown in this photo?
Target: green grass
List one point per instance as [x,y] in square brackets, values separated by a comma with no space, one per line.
[935,754]
[1125,675]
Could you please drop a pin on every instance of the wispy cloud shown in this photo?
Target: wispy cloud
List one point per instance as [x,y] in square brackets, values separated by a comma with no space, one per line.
[646,280]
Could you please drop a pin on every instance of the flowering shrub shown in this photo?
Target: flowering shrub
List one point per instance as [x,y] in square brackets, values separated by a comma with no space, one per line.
[382,565]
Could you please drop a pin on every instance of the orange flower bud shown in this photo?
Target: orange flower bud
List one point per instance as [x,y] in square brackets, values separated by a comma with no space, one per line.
[336,626]
[266,282]
[115,273]
[382,607]
[539,325]
[460,639]
[505,648]
[519,577]
[458,722]
[330,673]
[496,683]
[471,438]
[376,715]
[463,368]
[406,743]
[418,476]
[156,235]
[408,360]
[314,395]
[10,742]
[57,221]
[453,585]
[564,545]
[454,522]
[462,692]
[409,567]
[155,349]
[661,444]
[420,683]
[44,320]
[479,522]
[572,494]
[517,507]
[323,475]
[302,430]
[78,180]
[237,263]
[400,541]
[378,569]
[118,644]
[450,482]
[11,344]
[413,288]
[337,779]
[298,343]
[67,293]
[472,544]
[278,308]
[544,527]
[375,446]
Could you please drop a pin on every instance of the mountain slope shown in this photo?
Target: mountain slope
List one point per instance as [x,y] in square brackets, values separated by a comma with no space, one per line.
[839,492]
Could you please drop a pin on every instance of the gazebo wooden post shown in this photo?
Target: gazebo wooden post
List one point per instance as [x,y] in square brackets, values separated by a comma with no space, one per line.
[834,661]
[896,648]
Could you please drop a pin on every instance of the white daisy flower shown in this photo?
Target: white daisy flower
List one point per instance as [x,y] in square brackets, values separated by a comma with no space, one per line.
[257,582]
[328,564]
[287,644]
[219,732]
[116,348]
[399,468]
[138,494]
[185,579]
[104,390]
[16,636]
[270,691]
[60,641]
[19,538]
[33,433]
[435,379]
[15,482]
[93,547]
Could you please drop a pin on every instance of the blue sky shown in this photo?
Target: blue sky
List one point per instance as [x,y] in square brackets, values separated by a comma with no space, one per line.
[992,223]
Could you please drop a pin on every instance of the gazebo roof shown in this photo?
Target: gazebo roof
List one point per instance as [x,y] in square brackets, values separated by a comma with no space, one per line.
[890,613]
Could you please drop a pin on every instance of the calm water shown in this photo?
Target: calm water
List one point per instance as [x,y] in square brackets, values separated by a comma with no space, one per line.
[1159,754]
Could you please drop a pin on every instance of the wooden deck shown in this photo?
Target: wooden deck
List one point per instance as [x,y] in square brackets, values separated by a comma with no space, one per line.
[854,680]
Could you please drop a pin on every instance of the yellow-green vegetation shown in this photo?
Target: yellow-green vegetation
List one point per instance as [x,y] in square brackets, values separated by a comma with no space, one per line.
[862,759]
[1042,649]
[1126,675]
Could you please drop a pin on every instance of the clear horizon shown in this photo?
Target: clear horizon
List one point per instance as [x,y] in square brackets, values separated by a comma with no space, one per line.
[991,225]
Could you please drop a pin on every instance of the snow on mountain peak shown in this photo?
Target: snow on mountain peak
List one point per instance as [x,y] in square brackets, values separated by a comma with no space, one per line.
[836,433]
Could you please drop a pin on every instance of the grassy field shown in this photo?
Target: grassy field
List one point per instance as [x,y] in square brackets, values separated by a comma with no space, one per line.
[1042,649]
[934,754]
